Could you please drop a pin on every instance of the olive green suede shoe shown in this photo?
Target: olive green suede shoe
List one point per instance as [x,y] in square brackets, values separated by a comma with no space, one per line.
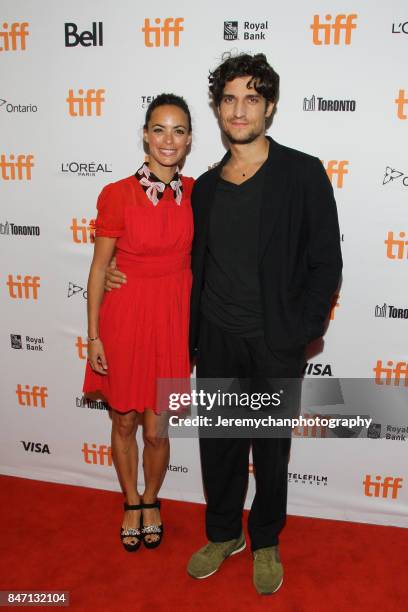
[208,559]
[268,570]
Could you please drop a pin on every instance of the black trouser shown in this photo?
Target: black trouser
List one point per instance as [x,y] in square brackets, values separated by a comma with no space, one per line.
[225,460]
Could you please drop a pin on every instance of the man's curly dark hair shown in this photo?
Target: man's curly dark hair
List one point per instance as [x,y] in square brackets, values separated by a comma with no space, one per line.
[264,79]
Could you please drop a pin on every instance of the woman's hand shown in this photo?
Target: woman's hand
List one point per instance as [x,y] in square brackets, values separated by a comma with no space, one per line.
[96,356]
[114,278]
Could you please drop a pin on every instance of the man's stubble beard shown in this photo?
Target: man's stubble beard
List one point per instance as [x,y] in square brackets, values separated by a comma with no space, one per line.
[244,140]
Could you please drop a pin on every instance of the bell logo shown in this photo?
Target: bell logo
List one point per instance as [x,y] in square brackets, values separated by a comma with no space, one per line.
[97,455]
[82,347]
[20,170]
[336,169]
[391,372]
[382,488]
[342,23]
[13,36]
[84,232]
[334,304]
[396,248]
[401,102]
[23,289]
[153,34]
[31,396]
[87,103]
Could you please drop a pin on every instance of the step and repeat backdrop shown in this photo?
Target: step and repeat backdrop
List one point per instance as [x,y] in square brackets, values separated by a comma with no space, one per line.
[76,78]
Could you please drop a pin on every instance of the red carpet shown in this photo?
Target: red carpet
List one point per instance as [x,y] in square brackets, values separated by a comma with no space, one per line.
[57,537]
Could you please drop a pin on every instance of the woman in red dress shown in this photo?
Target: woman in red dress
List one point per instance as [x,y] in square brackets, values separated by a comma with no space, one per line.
[140,334]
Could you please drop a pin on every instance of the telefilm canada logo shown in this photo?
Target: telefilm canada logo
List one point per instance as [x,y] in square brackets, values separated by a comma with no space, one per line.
[391,175]
[12,229]
[252,30]
[29,343]
[80,168]
[389,311]
[146,100]
[310,479]
[318,103]
[11,107]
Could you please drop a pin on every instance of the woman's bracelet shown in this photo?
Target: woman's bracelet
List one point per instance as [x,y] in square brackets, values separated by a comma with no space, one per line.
[92,339]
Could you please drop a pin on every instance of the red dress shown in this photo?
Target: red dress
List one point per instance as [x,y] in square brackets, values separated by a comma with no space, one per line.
[144,324]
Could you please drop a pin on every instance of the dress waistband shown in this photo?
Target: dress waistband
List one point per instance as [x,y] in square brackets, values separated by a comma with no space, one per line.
[135,266]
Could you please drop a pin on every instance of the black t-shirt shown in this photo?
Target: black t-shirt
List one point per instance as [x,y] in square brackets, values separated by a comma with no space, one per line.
[231,297]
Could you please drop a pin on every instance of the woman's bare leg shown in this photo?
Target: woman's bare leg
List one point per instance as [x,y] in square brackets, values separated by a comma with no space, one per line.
[125,457]
[156,455]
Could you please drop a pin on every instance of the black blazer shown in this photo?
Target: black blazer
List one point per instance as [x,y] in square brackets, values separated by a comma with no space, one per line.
[299,247]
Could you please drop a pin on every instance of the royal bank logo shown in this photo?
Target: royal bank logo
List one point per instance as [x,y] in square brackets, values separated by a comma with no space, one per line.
[374,431]
[230,30]
[389,311]
[318,103]
[252,30]
[12,229]
[30,343]
[80,168]
[392,432]
[9,107]
[308,479]
[77,290]
[391,175]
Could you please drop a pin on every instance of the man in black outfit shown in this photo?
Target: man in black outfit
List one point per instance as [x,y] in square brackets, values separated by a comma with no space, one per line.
[266,261]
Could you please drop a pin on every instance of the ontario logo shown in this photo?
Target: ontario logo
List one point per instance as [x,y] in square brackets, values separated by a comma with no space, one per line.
[391,175]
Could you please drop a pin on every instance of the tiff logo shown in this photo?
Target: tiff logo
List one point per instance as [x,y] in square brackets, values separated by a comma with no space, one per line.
[23,289]
[82,347]
[396,249]
[401,101]
[97,455]
[153,34]
[32,397]
[342,23]
[87,38]
[19,170]
[336,170]
[13,38]
[334,304]
[87,104]
[372,488]
[84,232]
[391,372]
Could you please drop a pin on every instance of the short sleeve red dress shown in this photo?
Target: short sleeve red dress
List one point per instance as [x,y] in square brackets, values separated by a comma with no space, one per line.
[144,324]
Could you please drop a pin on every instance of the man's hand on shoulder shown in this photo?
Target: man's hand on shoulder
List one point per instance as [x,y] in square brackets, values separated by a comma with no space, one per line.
[114,278]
